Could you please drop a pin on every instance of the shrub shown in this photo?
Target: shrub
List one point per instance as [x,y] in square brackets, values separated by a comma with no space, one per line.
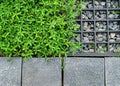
[38,28]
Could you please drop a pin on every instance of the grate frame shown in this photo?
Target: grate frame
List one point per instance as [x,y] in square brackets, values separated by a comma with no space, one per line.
[107,10]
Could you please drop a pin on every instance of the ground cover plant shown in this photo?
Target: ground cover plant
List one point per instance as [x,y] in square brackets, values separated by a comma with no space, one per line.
[38,28]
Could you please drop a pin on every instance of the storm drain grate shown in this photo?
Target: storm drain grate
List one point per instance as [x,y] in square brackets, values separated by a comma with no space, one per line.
[100,28]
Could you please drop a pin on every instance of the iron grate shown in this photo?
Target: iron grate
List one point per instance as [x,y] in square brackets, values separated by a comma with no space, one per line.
[100,28]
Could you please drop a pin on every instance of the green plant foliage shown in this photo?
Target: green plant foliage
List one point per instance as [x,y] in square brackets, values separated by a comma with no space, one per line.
[38,28]
[102,49]
[116,12]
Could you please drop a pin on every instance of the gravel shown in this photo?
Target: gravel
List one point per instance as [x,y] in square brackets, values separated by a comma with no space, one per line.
[101,37]
[114,37]
[101,26]
[103,3]
[90,6]
[100,15]
[113,14]
[111,40]
[101,48]
[88,26]
[77,38]
[88,37]
[87,15]
[96,2]
[114,47]
[113,4]
[88,48]
[114,26]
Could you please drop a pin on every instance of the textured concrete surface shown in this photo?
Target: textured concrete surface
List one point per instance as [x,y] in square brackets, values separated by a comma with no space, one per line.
[10,72]
[77,72]
[84,72]
[37,72]
[112,71]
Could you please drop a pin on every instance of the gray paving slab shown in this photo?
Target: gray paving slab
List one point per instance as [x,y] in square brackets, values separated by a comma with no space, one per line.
[84,72]
[38,72]
[10,72]
[112,71]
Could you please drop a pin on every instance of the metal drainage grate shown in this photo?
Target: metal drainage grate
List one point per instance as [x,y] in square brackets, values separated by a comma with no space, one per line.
[100,28]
